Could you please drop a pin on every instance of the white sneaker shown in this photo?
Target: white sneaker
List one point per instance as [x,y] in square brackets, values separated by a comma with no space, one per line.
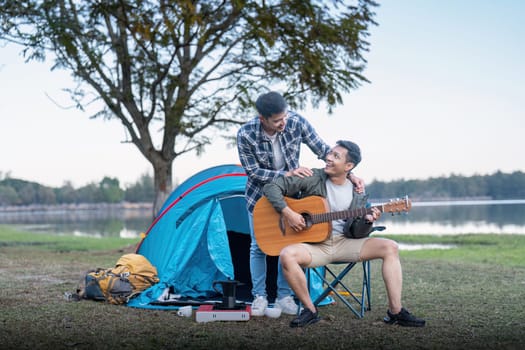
[287,305]
[259,305]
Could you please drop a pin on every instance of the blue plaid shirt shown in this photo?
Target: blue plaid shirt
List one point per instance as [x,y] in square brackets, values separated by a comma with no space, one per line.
[256,153]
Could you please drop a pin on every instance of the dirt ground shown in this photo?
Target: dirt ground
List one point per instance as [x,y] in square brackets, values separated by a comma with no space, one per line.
[467,306]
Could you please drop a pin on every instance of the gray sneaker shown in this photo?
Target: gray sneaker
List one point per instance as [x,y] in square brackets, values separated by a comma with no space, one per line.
[259,305]
[287,305]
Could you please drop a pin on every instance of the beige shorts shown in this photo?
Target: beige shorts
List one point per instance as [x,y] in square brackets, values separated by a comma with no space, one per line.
[337,248]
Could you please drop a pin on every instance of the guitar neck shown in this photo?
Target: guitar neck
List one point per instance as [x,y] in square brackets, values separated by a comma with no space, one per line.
[343,214]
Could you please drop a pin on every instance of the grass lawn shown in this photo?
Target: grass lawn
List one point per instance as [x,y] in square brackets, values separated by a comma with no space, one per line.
[472,297]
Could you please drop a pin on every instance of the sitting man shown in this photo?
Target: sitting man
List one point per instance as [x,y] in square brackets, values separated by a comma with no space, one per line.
[332,183]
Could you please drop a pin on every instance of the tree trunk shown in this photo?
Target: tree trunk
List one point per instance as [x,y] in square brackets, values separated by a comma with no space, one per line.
[162,182]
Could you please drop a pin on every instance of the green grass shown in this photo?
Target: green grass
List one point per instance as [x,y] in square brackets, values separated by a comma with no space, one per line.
[472,297]
[505,250]
[10,236]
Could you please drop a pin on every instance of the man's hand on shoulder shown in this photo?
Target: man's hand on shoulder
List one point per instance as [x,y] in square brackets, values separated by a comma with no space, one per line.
[358,183]
[301,172]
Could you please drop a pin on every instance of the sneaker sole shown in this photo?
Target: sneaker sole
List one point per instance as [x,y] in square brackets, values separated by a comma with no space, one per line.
[312,321]
[288,312]
[388,320]
[411,324]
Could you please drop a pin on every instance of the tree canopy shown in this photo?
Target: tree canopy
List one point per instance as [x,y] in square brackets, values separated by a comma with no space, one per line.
[177,74]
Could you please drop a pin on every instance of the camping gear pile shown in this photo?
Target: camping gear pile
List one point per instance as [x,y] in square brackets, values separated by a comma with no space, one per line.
[131,275]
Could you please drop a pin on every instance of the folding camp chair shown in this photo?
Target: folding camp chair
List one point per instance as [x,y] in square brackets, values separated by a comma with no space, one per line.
[334,284]
[335,280]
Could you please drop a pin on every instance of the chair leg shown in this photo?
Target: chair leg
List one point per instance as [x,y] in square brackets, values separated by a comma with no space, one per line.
[331,287]
[366,283]
[364,301]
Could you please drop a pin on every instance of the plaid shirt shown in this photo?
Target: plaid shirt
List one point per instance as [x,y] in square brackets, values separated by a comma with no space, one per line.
[256,153]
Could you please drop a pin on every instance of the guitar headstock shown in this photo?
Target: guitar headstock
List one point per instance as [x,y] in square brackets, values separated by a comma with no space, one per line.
[397,206]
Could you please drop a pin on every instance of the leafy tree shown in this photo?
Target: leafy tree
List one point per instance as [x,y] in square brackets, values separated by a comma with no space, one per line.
[27,194]
[110,190]
[66,193]
[191,68]
[45,195]
[143,190]
[8,196]
[89,194]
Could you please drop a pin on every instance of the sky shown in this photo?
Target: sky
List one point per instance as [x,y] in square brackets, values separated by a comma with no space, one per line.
[446,96]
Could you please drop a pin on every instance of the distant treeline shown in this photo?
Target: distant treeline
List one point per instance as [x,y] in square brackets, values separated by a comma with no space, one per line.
[496,186]
[21,192]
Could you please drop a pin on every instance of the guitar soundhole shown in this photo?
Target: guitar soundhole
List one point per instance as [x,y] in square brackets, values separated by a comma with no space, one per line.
[308,220]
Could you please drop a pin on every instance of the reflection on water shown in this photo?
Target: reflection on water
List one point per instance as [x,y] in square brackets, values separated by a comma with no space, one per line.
[442,218]
[394,227]
[403,246]
[501,217]
[124,223]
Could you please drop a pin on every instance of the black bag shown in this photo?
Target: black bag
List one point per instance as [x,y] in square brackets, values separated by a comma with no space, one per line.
[359,228]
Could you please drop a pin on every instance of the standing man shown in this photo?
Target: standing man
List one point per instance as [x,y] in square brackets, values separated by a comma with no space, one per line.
[269,147]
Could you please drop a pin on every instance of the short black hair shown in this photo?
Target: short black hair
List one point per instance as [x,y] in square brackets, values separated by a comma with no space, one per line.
[270,103]
[353,151]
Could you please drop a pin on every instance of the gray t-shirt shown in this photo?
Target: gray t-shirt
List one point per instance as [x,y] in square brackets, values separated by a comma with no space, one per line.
[278,155]
[339,198]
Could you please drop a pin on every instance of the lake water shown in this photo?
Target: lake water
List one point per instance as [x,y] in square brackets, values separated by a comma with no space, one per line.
[440,218]
[459,217]
[124,223]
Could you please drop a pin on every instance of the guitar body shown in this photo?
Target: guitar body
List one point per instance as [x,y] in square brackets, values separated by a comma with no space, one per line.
[272,231]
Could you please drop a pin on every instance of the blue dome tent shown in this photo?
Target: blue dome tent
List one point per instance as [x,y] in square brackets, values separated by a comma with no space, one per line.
[201,235]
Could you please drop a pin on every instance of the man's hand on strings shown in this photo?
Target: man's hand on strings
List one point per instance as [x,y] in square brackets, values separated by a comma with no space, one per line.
[295,220]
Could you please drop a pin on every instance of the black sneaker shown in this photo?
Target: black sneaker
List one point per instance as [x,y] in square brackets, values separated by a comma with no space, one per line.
[403,318]
[305,318]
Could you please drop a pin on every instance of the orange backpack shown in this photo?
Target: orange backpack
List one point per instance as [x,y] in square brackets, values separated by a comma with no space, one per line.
[132,274]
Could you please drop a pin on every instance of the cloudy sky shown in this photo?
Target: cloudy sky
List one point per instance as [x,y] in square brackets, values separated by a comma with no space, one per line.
[447,96]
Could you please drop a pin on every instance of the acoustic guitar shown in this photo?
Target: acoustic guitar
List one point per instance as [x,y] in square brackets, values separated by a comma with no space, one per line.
[273,233]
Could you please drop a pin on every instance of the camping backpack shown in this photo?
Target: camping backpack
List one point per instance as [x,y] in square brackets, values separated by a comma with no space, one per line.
[132,274]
